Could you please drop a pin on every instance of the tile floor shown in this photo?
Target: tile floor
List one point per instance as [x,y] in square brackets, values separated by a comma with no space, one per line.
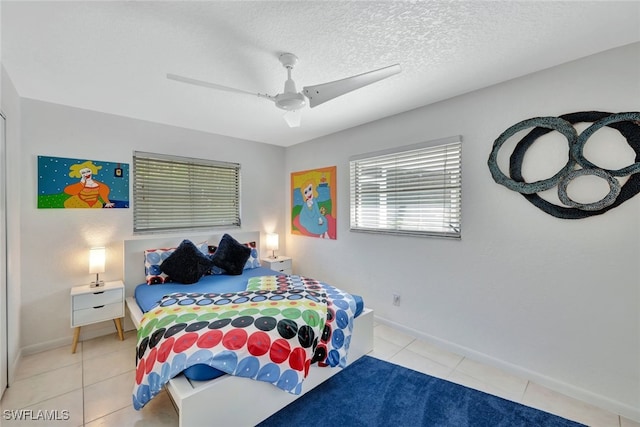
[94,385]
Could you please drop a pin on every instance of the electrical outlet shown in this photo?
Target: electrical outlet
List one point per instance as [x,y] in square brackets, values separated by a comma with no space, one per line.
[396,299]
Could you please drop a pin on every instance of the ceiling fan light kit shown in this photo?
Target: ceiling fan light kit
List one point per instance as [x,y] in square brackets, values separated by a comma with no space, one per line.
[293,118]
[293,101]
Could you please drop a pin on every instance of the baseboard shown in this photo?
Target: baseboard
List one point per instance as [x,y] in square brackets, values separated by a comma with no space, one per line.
[46,345]
[86,333]
[13,368]
[583,395]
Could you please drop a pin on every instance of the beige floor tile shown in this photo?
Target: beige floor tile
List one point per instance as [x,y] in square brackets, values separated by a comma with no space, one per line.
[383,349]
[159,412]
[476,384]
[108,365]
[108,396]
[389,334]
[39,363]
[61,411]
[548,400]
[494,378]
[411,360]
[107,344]
[625,422]
[41,387]
[430,351]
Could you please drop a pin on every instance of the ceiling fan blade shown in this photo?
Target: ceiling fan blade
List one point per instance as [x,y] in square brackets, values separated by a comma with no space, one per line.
[293,118]
[321,93]
[211,85]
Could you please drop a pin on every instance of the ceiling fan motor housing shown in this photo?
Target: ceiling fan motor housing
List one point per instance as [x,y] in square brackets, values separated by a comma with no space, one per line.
[290,101]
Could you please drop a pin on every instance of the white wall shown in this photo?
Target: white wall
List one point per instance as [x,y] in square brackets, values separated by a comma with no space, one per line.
[10,104]
[55,242]
[552,299]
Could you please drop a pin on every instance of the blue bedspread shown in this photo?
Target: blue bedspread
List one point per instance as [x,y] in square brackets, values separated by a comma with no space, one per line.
[147,296]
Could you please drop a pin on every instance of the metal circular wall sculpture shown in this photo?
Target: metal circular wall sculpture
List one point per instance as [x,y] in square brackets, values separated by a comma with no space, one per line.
[628,124]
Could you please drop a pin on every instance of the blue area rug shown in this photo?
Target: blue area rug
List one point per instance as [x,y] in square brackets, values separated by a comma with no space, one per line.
[371,392]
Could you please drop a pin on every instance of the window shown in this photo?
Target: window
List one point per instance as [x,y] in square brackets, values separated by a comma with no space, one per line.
[175,193]
[412,190]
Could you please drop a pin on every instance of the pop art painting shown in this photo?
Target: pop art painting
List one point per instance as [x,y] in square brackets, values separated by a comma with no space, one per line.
[79,183]
[313,203]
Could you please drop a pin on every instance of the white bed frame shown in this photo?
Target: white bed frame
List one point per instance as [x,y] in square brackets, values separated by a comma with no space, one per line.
[223,401]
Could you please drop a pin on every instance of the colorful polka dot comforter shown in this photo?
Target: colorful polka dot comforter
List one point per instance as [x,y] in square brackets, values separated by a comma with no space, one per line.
[272,332]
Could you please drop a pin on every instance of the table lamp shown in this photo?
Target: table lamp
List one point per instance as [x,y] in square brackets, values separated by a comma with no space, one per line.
[96,265]
[272,244]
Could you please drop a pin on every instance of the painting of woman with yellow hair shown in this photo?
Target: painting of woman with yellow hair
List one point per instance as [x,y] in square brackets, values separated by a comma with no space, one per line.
[72,183]
[313,203]
[88,193]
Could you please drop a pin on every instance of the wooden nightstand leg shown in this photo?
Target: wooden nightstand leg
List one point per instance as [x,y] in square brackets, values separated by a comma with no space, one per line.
[119,328]
[76,336]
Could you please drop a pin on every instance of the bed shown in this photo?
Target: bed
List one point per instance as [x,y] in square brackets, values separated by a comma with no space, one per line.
[226,398]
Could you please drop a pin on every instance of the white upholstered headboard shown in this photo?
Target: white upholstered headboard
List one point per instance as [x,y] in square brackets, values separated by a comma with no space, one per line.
[133,273]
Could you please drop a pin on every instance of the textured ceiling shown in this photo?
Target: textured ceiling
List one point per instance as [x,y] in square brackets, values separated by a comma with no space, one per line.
[113,56]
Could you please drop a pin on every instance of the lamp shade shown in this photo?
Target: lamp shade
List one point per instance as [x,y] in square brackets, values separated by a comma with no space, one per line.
[96,260]
[293,118]
[272,242]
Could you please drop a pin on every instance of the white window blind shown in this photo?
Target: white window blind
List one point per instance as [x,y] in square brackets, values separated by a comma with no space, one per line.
[413,190]
[175,193]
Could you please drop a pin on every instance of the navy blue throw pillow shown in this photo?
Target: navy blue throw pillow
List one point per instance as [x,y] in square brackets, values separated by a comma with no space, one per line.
[186,264]
[231,256]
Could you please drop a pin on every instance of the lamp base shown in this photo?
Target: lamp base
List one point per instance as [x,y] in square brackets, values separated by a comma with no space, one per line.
[97,284]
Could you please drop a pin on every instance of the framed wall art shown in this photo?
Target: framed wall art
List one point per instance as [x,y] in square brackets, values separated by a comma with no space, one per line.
[80,183]
[313,203]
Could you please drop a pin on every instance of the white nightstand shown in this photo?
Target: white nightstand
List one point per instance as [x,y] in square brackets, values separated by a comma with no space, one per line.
[281,263]
[92,305]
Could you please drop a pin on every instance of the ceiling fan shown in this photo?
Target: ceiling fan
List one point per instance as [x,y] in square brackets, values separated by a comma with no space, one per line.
[293,101]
